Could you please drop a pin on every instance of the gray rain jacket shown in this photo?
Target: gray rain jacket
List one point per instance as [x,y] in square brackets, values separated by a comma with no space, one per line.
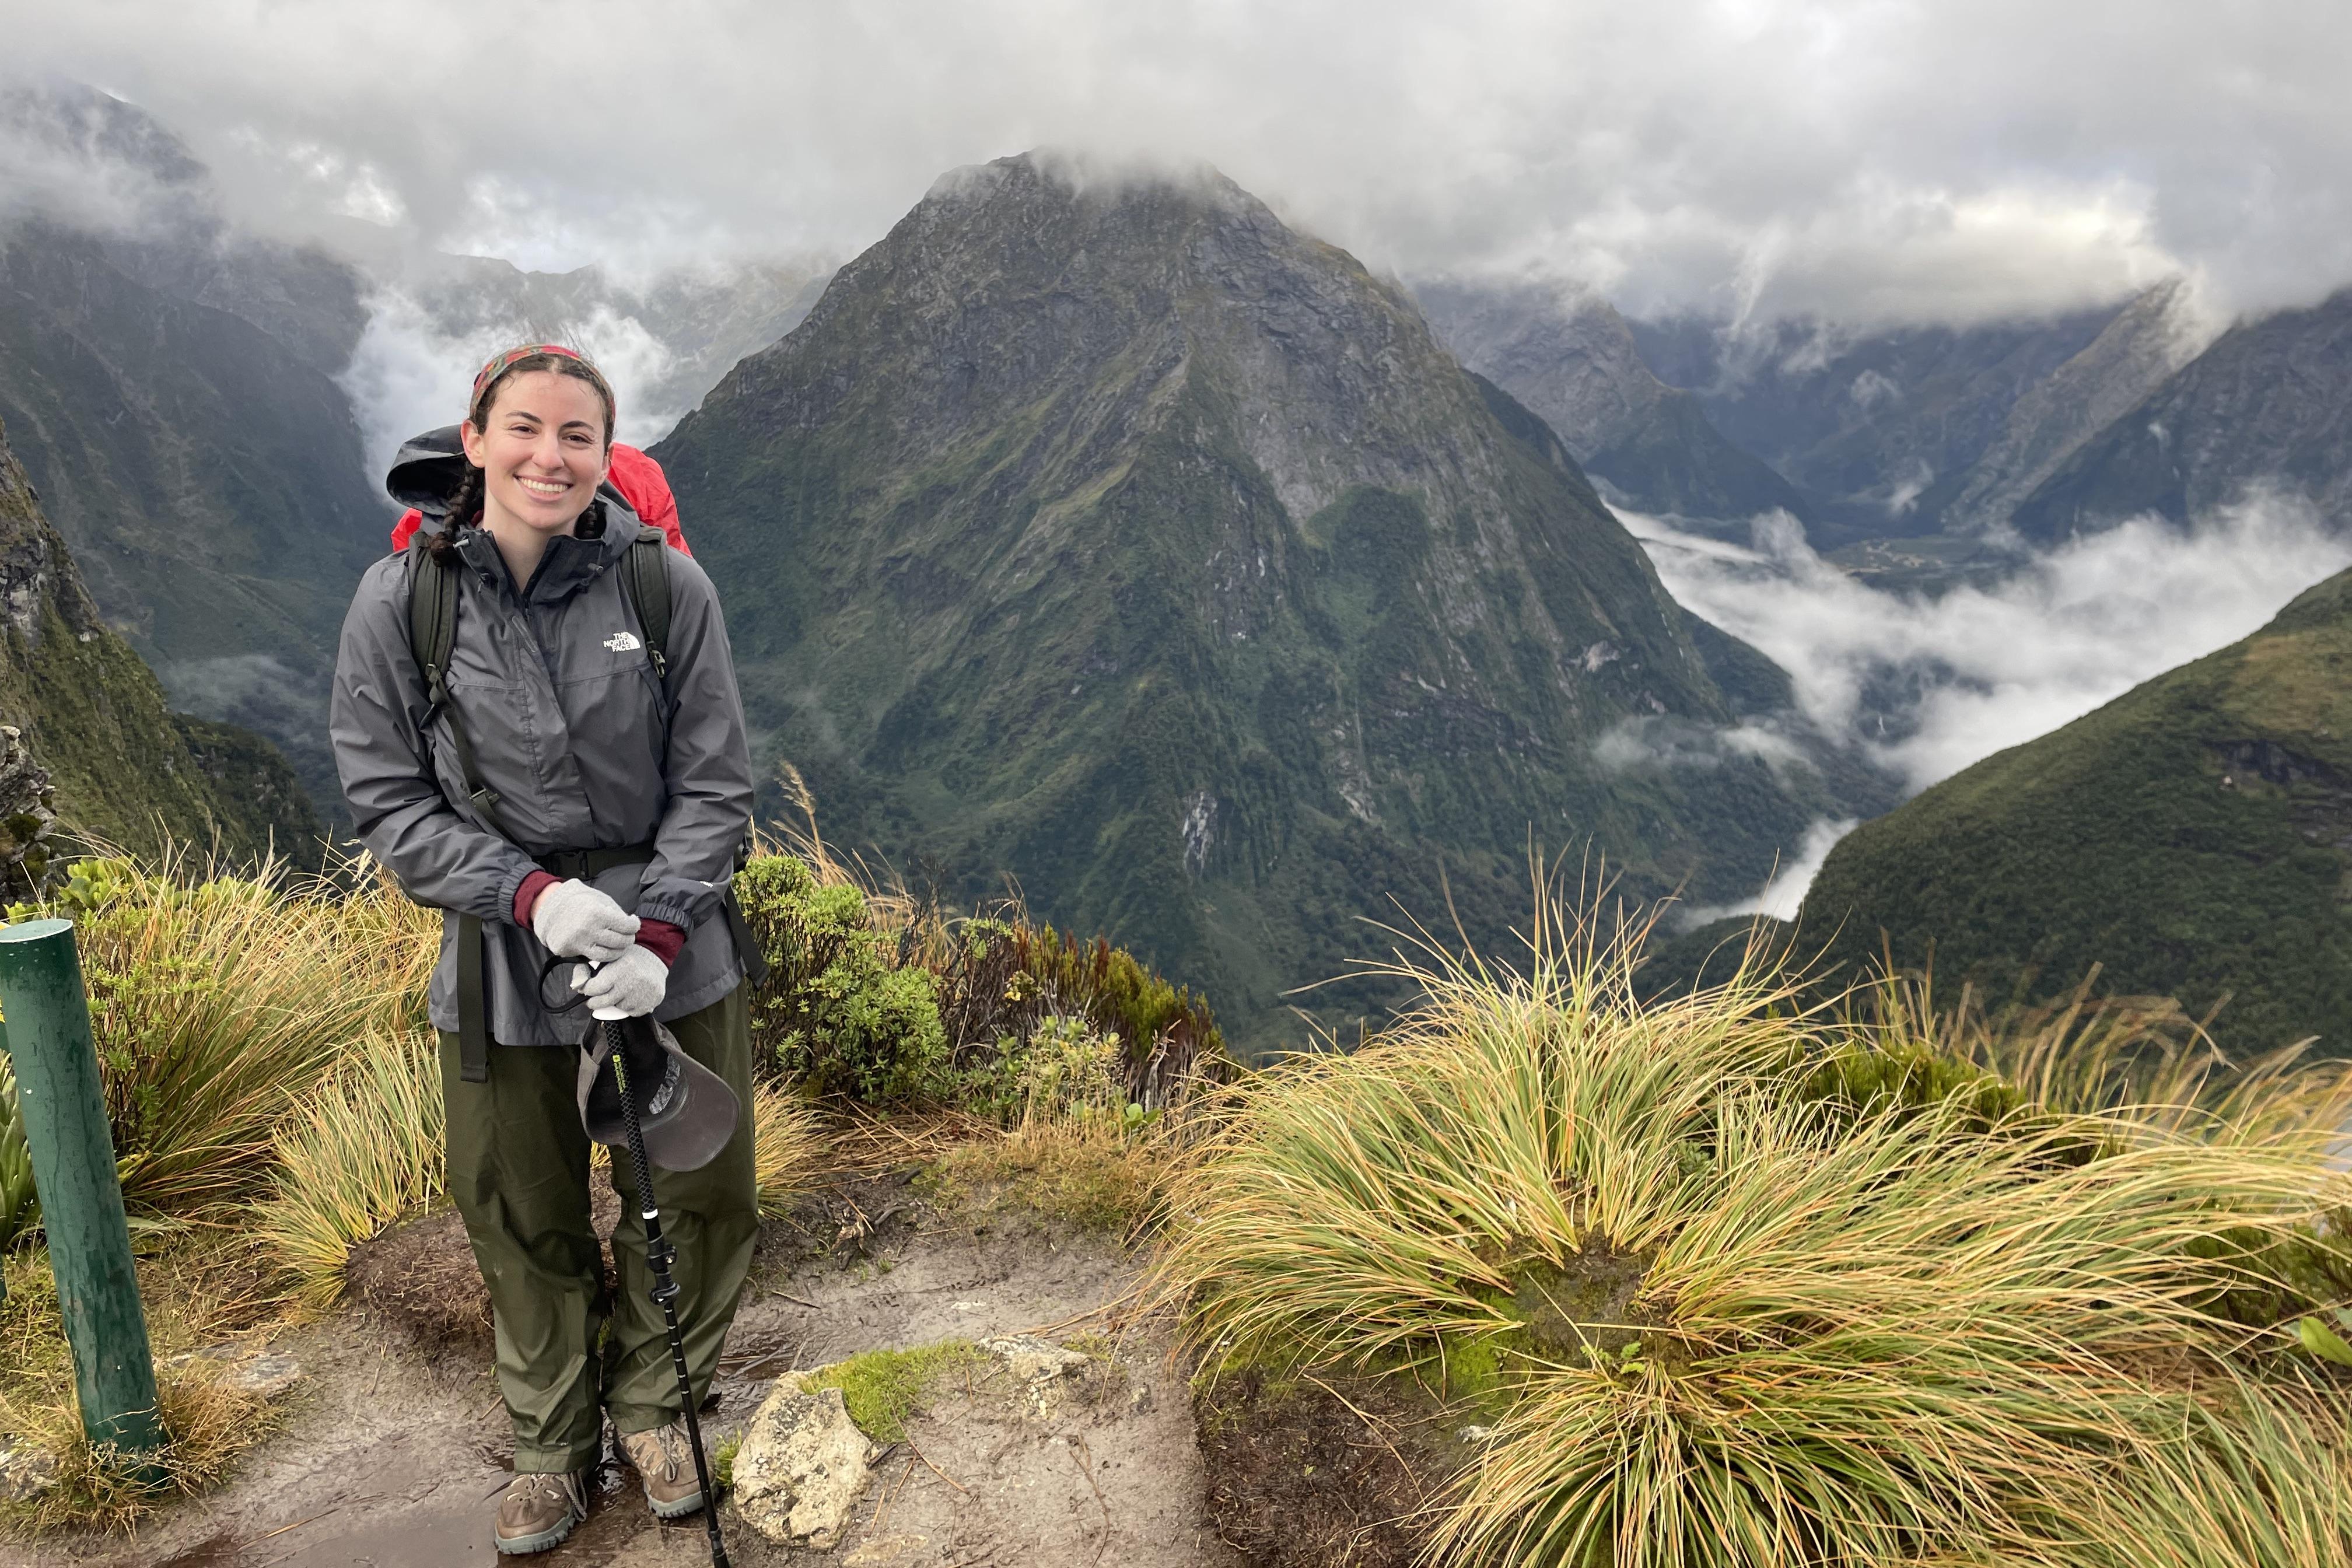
[576,734]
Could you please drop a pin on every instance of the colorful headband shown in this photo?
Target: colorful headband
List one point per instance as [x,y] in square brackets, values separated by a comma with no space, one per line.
[499,365]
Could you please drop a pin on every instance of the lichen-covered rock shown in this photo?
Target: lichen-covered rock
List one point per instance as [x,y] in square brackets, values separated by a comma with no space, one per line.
[269,1374]
[1033,1359]
[802,1467]
[1043,1370]
[26,1469]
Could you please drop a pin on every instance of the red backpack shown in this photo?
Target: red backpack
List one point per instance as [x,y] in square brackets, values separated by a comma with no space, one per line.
[639,479]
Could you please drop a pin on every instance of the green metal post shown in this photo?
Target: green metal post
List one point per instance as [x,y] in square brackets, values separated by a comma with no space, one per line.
[64,1106]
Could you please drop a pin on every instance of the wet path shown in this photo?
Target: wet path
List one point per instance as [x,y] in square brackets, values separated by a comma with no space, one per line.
[390,1459]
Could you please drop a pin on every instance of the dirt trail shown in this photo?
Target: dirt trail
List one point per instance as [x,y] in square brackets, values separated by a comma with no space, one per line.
[390,1454]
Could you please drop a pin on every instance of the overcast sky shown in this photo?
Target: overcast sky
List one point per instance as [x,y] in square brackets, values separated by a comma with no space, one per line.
[1951,160]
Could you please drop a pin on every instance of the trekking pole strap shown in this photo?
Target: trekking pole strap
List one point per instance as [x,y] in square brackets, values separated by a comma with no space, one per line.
[473,1028]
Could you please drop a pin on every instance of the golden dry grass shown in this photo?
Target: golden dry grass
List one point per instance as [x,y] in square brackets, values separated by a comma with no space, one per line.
[1893,1336]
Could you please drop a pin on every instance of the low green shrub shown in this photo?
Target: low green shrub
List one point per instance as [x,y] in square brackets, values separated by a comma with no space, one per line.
[838,1013]
[870,995]
[1002,980]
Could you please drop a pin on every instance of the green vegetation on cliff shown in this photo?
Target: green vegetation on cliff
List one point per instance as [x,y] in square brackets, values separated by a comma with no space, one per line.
[208,479]
[2193,838]
[124,768]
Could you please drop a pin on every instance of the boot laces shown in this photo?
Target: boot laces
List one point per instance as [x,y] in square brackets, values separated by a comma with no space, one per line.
[669,1443]
[552,1487]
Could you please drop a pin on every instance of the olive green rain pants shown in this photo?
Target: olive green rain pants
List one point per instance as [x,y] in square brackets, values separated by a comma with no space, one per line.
[518,1173]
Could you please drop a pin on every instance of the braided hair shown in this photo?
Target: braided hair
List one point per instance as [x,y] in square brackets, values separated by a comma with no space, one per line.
[466,502]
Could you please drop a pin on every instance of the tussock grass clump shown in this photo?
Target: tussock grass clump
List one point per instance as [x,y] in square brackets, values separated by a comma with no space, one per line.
[209,1425]
[788,1146]
[217,1001]
[1729,1324]
[198,1294]
[365,1149]
[353,1156]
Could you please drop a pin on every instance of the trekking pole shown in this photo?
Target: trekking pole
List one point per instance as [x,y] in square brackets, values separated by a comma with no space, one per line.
[658,1254]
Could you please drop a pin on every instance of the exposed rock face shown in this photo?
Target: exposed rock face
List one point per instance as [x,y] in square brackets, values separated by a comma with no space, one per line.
[27,821]
[1869,423]
[91,740]
[1110,534]
[802,1467]
[2268,405]
[1570,359]
[2193,838]
[2155,335]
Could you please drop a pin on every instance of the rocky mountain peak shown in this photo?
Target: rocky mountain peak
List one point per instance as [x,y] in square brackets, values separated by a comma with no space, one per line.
[1099,528]
[1039,271]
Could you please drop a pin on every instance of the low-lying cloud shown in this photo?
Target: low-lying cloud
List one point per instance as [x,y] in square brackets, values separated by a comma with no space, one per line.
[1784,891]
[1927,686]
[411,370]
[1679,744]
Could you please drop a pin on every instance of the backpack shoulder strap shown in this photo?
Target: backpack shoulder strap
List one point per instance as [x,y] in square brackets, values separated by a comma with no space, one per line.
[432,622]
[431,635]
[644,577]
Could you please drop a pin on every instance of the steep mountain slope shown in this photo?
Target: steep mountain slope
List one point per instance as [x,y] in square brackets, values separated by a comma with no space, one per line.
[1112,536]
[2156,334]
[2194,837]
[206,476]
[93,716]
[1865,422]
[1571,359]
[2270,403]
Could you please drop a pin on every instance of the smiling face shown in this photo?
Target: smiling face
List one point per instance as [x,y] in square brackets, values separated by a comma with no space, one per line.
[542,448]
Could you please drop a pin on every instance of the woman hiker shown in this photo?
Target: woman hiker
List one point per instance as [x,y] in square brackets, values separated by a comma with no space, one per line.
[567,781]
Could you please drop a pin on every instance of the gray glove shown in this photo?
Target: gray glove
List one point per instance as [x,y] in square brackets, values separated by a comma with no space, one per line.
[576,920]
[632,985]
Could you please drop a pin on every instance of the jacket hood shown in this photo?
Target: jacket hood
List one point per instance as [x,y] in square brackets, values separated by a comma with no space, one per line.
[427,471]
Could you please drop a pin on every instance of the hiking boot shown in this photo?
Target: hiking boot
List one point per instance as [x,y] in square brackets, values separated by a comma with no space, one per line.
[538,1511]
[666,1464]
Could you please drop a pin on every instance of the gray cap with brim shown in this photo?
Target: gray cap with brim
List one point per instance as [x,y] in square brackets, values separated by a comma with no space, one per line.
[685,1119]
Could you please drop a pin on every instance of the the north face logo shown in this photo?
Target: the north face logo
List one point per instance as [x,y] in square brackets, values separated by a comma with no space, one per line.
[623,642]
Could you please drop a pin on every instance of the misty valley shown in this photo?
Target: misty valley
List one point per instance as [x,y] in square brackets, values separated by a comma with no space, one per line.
[1342,831]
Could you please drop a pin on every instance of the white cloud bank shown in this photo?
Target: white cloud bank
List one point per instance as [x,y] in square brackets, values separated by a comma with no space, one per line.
[1927,686]
[411,370]
[1904,160]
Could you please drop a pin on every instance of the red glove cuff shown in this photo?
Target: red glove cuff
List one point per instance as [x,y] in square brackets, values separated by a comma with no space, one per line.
[528,894]
[661,938]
